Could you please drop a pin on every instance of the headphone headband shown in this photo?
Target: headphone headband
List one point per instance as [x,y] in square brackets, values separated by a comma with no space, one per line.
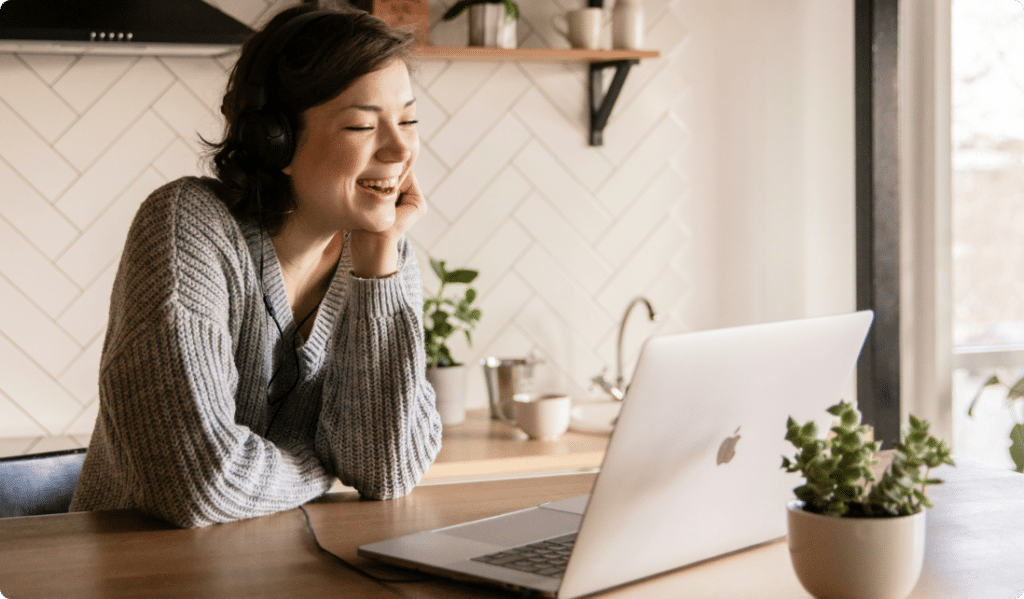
[271,49]
[266,133]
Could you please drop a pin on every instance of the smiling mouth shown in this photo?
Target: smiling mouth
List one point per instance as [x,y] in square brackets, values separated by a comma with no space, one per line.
[381,186]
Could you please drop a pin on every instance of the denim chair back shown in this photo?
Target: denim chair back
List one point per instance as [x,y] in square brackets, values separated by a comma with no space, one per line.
[37,484]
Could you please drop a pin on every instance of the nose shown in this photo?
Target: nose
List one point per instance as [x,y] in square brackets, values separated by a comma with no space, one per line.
[397,145]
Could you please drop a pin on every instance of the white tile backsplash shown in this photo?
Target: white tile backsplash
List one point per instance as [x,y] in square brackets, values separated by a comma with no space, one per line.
[177,160]
[33,332]
[564,297]
[465,181]
[563,136]
[116,169]
[558,236]
[497,257]
[89,77]
[33,273]
[101,244]
[563,188]
[456,84]
[32,156]
[564,234]
[49,67]
[650,209]
[16,427]
[86,318]
[654,259]
[35,391]
[33,216]
[117,110]
[476,225]
[33,99]
[478,115]
[206,77]
[181,109]
[664,139]
[82,376]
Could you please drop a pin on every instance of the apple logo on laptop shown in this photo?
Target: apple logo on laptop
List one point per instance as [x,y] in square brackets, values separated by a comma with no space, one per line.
[727,450]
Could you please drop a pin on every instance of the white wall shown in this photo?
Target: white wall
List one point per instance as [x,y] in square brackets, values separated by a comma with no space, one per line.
[724,191]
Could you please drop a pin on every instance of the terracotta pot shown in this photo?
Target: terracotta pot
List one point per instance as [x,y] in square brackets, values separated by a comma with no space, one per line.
[449,385]
[856,558]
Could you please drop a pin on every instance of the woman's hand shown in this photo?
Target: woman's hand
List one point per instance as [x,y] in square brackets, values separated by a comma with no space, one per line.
[375,254]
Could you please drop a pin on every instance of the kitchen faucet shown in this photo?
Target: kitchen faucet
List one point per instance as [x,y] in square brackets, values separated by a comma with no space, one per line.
[618,388]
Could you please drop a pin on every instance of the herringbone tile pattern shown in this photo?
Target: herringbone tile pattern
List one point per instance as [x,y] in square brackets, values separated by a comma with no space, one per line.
[564,234]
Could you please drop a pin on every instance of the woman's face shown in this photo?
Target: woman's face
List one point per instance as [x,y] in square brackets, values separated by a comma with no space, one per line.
[354,152]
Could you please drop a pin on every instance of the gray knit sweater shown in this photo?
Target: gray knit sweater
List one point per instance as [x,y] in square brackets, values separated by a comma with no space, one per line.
[194,371]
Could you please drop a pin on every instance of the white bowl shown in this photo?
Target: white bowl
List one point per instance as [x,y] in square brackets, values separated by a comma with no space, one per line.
[594,416]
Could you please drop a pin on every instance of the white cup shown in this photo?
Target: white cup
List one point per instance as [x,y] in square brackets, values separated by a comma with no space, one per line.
[542,416]
[581,27]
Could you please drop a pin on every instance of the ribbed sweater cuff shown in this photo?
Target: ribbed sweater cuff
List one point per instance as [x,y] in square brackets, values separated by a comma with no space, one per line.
[378,297]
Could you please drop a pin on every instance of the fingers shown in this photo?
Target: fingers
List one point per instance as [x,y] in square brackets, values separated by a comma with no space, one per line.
[411,205]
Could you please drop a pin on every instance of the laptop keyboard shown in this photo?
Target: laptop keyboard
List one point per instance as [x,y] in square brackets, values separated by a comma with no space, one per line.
[546,558]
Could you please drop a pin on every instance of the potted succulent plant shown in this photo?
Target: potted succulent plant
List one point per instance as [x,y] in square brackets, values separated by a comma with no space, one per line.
[444,316]
[492,23]
[850,536]
[1014,393]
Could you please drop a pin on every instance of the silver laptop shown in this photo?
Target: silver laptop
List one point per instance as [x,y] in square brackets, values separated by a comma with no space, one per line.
[692,470]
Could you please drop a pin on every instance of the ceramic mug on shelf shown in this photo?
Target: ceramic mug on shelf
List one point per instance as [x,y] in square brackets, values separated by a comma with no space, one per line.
[543,416]
[582,28]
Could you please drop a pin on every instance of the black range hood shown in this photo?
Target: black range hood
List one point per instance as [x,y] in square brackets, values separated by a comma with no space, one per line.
[183,27]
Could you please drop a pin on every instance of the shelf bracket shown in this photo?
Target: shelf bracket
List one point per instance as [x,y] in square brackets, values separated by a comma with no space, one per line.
[601,109]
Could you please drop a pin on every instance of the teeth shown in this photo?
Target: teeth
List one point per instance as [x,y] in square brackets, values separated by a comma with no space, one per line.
[385,185]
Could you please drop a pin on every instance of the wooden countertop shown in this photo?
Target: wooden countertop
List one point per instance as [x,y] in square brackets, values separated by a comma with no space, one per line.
[484,449]
[481,446]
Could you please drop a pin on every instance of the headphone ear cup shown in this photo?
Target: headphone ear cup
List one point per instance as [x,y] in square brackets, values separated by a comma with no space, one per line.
[267,138]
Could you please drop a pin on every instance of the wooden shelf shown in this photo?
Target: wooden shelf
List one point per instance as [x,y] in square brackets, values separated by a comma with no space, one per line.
[598,61]
[529,54]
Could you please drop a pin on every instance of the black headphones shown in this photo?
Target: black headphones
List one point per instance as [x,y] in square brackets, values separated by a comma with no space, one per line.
[265,133]
[268,140]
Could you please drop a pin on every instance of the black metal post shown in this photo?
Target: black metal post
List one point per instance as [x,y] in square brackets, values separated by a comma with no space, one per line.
[878,212]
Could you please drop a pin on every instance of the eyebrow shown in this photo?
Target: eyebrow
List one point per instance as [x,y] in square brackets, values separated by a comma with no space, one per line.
[371,108]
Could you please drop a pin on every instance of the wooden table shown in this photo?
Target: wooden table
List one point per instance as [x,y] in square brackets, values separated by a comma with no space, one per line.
[975,548]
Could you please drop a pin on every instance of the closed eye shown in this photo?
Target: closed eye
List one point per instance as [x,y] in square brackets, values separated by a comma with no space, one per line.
[403,123]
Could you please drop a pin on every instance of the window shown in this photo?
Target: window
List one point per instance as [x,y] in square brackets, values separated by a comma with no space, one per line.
[987,221]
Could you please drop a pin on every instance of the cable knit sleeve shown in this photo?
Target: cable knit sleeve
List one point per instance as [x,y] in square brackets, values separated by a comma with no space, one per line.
[171,437]
[171,410]
[379,430]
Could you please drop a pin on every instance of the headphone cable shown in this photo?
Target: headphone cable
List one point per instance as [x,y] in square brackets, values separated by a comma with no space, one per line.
[349,565]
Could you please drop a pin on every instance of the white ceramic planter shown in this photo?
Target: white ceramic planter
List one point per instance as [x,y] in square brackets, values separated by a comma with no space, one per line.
[856,558]
[449,385]
[489,27]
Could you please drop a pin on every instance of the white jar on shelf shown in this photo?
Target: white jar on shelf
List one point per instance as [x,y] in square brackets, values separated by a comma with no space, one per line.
[628,25]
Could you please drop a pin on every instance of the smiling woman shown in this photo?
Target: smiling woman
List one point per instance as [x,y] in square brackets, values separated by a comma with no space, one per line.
[265,334]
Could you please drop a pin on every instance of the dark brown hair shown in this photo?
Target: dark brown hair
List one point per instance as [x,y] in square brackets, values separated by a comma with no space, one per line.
[322,60]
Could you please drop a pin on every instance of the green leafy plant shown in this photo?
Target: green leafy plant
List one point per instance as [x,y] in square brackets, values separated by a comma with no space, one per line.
[445,316]
[1014,393]
[837,469]
[511,8]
